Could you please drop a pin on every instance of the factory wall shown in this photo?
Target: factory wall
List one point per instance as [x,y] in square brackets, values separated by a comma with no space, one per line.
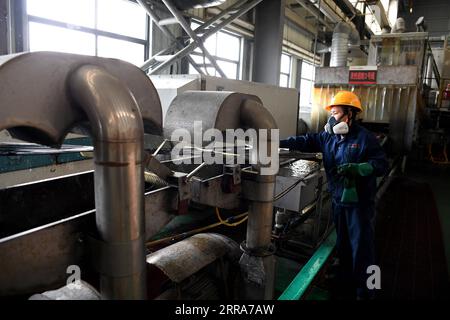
[436,13]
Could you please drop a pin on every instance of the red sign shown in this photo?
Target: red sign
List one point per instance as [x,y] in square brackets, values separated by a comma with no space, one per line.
[362,77]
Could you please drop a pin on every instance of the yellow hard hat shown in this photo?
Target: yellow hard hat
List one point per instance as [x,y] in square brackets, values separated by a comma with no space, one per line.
[345,98]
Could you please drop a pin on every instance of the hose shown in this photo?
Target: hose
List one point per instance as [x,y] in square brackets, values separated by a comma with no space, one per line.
[224,222]
[154,180]
[188,233]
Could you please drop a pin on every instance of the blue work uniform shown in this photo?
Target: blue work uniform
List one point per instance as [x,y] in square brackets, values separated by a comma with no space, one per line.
[354,221]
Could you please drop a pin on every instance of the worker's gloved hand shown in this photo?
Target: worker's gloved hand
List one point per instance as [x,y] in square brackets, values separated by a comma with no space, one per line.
[349,195]
[355,169]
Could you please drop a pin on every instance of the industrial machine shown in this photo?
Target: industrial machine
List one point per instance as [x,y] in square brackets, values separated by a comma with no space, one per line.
[390,86]
[120,210]
[282,103]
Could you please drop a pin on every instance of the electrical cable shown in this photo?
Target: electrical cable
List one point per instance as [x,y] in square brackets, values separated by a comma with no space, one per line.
[227,223]
[191,232]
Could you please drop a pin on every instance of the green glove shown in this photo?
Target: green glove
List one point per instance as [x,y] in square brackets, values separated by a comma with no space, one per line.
[355,169]
[349,195]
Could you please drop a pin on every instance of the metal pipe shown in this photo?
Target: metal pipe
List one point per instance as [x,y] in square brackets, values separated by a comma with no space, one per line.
[10,39]
[315,48]
[259,228]
[339,46]
[257,260]
[119,179]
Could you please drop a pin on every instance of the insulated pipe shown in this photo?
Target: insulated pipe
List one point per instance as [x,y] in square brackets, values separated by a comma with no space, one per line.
[343,34]
[339,45]
[260,215]
[118,151]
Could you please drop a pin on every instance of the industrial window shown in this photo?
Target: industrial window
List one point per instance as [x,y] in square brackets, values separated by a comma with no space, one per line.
[285,71]
[225,48]
[105,28]
[306,86]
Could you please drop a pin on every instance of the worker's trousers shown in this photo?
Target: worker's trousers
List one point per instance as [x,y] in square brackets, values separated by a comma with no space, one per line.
[355,244]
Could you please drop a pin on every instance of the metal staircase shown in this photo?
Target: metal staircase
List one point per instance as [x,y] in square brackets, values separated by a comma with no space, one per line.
[182,47]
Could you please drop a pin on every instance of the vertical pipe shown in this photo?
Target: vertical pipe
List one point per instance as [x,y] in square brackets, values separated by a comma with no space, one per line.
[260,214]
[4,30]
[339,45]
[269,26]
[118,151]
[254,115]
[260,217]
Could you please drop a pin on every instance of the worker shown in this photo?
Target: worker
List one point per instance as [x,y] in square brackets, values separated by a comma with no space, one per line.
[352,158]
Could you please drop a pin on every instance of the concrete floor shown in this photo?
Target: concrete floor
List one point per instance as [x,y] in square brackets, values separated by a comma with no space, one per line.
[438,177]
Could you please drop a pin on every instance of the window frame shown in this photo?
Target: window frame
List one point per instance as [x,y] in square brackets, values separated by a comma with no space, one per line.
[96,32]
[306,78]
[213,54]
[286,74]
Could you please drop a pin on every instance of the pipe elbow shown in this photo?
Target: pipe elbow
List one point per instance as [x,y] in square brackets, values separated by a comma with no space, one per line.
[108,104]
[254,115]
[342,27]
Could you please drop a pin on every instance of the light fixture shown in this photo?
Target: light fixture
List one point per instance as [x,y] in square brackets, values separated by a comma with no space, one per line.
[410,10]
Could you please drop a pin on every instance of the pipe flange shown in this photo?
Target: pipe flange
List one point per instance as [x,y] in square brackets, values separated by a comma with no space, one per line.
[260,252]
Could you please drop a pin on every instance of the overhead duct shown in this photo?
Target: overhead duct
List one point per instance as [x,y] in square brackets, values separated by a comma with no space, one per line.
[343,34]
[43,95]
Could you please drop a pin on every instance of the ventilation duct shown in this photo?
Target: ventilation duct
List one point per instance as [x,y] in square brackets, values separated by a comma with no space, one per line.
[343,34]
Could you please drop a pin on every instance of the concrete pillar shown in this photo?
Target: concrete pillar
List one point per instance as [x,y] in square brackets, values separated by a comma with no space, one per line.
[3,27]
[269,27]
[16,26]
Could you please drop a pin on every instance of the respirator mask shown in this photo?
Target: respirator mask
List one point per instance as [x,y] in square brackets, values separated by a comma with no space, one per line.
[334,126]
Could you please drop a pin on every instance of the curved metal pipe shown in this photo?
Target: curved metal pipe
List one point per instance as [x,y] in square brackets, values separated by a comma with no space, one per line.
[339,45]
[343,34]
[260,215]
[255,116]
[118,151]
